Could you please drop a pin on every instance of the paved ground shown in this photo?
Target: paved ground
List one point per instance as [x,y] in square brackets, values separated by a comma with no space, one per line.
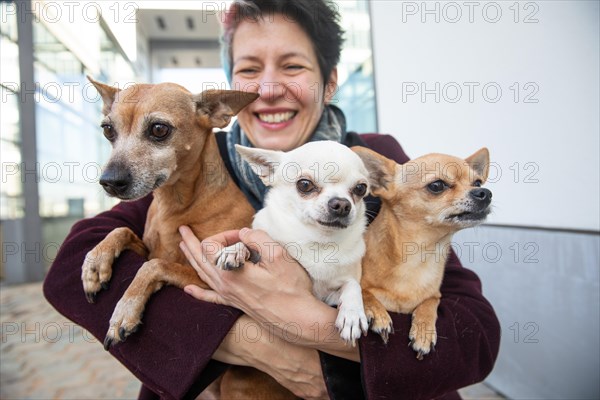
[45,356]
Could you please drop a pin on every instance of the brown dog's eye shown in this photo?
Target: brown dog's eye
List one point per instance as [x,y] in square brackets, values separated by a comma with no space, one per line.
[437,187]
[305,186]
[477,183]
[159,131]
[360,190]
[109,132]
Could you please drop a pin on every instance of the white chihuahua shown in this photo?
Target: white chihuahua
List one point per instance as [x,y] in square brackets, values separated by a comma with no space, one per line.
[315,209]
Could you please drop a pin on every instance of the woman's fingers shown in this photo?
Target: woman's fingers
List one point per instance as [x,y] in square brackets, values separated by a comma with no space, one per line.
[205,295]
[261,245]
[202,255]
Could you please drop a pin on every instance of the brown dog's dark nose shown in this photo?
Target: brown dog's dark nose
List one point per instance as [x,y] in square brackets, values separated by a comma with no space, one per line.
[339,207]
[481,195]
[116,180]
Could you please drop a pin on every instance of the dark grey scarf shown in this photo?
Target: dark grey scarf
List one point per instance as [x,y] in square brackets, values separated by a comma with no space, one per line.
[331,126]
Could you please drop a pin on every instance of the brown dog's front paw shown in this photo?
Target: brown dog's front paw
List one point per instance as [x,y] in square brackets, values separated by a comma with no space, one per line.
[125,320]
[423,337]
[233,257]
[96,271]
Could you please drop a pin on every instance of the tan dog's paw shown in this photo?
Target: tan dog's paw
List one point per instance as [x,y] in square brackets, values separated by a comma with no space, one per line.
[97,270]
[233,257]
[380,322]
[423,337]
[125,320]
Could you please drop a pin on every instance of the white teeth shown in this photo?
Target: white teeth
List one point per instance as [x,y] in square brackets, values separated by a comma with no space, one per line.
[274,118]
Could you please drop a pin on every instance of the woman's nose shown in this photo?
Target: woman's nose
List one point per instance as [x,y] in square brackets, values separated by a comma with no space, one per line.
[272,86]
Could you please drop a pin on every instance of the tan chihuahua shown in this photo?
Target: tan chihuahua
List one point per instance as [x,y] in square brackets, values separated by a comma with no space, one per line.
[424,202]
[162,142]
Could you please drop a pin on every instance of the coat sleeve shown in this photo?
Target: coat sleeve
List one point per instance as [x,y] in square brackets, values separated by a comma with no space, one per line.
[467,326]
[171,352]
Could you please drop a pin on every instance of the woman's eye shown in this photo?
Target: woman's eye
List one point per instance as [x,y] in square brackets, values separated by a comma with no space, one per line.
[305,186]
[437,187]
[109,132]
[360,190]
[160,131]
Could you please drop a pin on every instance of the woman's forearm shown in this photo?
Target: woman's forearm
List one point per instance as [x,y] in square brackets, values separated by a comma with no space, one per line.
[295,367]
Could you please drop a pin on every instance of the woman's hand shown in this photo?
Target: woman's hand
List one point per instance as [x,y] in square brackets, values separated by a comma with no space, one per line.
[294,367]
[247,288]
[276,292]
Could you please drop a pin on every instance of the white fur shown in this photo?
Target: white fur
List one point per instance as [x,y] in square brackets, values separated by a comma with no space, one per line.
[331,256]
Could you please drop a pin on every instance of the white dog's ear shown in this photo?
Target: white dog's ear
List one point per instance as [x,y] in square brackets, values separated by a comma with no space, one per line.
[263,162]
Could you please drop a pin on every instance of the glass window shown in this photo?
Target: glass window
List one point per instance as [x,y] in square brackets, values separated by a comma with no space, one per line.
[356,93]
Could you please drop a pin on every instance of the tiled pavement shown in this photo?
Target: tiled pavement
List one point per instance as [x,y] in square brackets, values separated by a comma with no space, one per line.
[45,356]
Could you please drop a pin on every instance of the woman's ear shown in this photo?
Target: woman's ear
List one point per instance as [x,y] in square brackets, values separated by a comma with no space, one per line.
[331,85]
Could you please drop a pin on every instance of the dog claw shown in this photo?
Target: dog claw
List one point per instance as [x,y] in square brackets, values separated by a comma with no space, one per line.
[420,355]
[254,256]
[104,285]
[108,341]
[91,297]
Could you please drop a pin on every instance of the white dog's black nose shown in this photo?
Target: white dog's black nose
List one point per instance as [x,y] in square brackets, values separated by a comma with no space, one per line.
[339,207]
[116,180]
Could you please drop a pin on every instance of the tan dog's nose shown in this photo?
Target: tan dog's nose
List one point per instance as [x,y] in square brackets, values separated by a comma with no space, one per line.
[481,195]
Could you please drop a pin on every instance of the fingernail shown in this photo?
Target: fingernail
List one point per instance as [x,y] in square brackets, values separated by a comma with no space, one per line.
[243,231]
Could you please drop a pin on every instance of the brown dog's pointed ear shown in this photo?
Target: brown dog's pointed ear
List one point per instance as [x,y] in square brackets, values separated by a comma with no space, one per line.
[381,169]
[262,161]
[480,162]
[220,105]
[107,93]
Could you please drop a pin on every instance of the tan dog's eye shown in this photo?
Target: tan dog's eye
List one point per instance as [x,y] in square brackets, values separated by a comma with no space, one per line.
[109,132]
[305,186]
[159,131]
[477,183]
[437,187]
[360,190]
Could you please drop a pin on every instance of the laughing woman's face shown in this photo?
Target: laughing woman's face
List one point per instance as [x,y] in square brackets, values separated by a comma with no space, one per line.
[275,57]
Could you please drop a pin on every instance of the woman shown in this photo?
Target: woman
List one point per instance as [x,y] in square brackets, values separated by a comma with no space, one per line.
[287,50]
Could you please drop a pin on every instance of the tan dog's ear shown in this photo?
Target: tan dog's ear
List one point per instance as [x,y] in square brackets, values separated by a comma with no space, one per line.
[381,169]
[480,162]
[263,162]
[220,105]
[107,93]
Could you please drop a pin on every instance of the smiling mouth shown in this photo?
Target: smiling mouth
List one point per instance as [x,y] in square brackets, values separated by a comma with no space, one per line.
[276,118]
[333,224]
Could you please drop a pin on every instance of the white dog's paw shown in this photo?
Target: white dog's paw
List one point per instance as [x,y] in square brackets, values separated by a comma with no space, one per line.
[351,323]
[233,257]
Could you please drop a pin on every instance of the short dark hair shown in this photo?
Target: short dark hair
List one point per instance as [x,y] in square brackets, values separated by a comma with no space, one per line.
[318,18]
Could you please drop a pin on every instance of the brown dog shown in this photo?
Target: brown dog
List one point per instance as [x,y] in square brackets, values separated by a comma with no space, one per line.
[424,202]
[163,143]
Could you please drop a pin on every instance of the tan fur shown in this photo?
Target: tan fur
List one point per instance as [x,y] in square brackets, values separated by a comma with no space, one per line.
[409,241]
[198,192]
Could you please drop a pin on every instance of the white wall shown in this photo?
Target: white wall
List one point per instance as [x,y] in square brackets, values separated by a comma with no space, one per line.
[545,147]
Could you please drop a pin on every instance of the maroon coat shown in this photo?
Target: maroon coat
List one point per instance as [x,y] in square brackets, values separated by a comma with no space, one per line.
[171,353]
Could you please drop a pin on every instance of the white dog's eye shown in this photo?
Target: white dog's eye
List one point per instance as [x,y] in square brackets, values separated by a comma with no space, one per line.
[360,189]
[305,186]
